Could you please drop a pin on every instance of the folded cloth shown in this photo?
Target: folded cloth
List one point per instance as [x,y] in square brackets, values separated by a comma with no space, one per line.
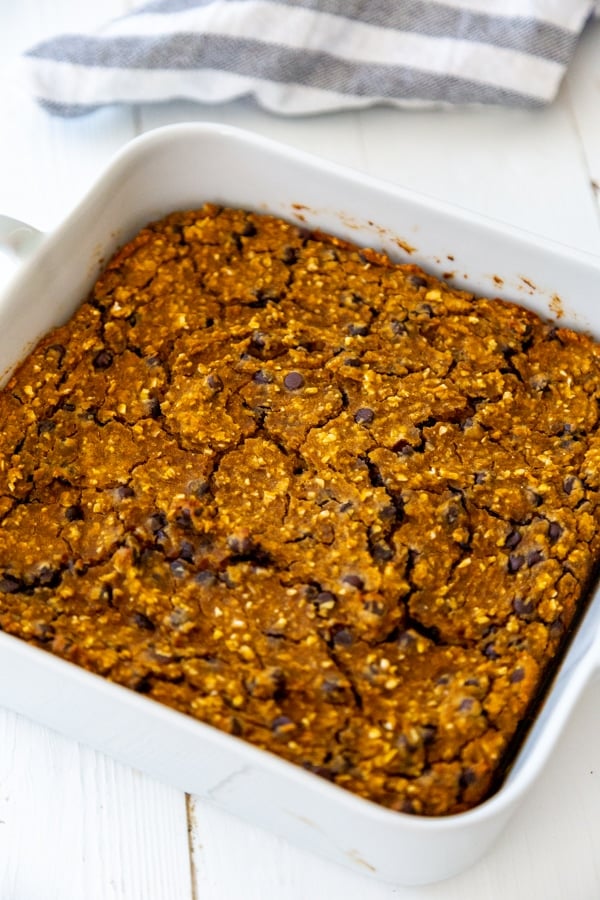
[309,56]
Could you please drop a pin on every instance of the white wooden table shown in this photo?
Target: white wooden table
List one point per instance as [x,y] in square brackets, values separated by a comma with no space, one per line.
[75,824]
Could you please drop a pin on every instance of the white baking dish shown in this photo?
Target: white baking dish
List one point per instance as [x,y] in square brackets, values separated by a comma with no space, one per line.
[184,166]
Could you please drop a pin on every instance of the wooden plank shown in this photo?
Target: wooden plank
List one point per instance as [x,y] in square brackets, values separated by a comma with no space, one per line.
[583,87]
[75,824]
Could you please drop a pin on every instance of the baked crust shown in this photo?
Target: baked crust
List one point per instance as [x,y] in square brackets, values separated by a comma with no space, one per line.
[321,501]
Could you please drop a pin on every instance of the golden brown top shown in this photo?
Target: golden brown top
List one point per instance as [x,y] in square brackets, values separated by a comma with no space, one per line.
[317,500]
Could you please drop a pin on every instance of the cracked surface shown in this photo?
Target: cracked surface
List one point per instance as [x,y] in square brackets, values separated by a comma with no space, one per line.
[320,501]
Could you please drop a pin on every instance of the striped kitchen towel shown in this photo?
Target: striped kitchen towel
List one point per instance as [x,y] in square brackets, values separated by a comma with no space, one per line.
[310,56]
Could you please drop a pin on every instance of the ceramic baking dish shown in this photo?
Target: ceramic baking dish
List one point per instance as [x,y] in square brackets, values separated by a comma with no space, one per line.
[184,166]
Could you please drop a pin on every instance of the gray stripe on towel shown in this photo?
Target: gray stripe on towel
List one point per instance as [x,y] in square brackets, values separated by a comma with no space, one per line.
[276,63]
[527,35]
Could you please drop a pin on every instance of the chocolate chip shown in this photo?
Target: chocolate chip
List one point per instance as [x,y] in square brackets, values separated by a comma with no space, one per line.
[536,499]
[206,578]
[142,621]
[480,477]
[523,607]
[43,631]
[293,381]
[143,686]
[425,309]
[48,577]
[554,532]
[262,377]
[258,340]
[215,383]
[241,545]
[199,487]
[123,491]
[186,551]
[517,675]
[154,408]
[490,652]
[534,557]
[427,734]
[353,362]
[515,561]
[289,256]
[102,360]
[358,330]
[342,637]
[382,552]
[375,607]
[364,416]
[398,327]
[157,521]
[467,778]
[45,426]
[177,568]
[249,229]
[354,580]
[73,513]
[325,597]
[9,584]
[152,361]
[282,724]
[466,705]
[569,484]
[417,281]
[512,540]
[183,520]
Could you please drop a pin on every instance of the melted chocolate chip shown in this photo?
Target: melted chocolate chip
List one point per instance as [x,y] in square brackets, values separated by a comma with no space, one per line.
[215,383]
[282,723]
[354,580]
[73,513]
[324,597]
[523,607]
[342,637]
[9,584]
[554,532]
[512,540]
[364,416]
[154,408]
[515,562]
[293,381]
[517,675]
[102,360]
[142,621]
[206,578]
[534,557]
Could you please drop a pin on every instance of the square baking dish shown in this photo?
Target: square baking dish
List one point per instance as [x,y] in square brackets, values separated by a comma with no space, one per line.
[181,167]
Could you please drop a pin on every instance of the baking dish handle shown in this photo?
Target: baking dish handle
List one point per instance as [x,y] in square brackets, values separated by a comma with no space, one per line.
[17,239]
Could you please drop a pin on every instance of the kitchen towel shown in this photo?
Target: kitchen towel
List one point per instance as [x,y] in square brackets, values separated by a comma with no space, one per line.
[310,56]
